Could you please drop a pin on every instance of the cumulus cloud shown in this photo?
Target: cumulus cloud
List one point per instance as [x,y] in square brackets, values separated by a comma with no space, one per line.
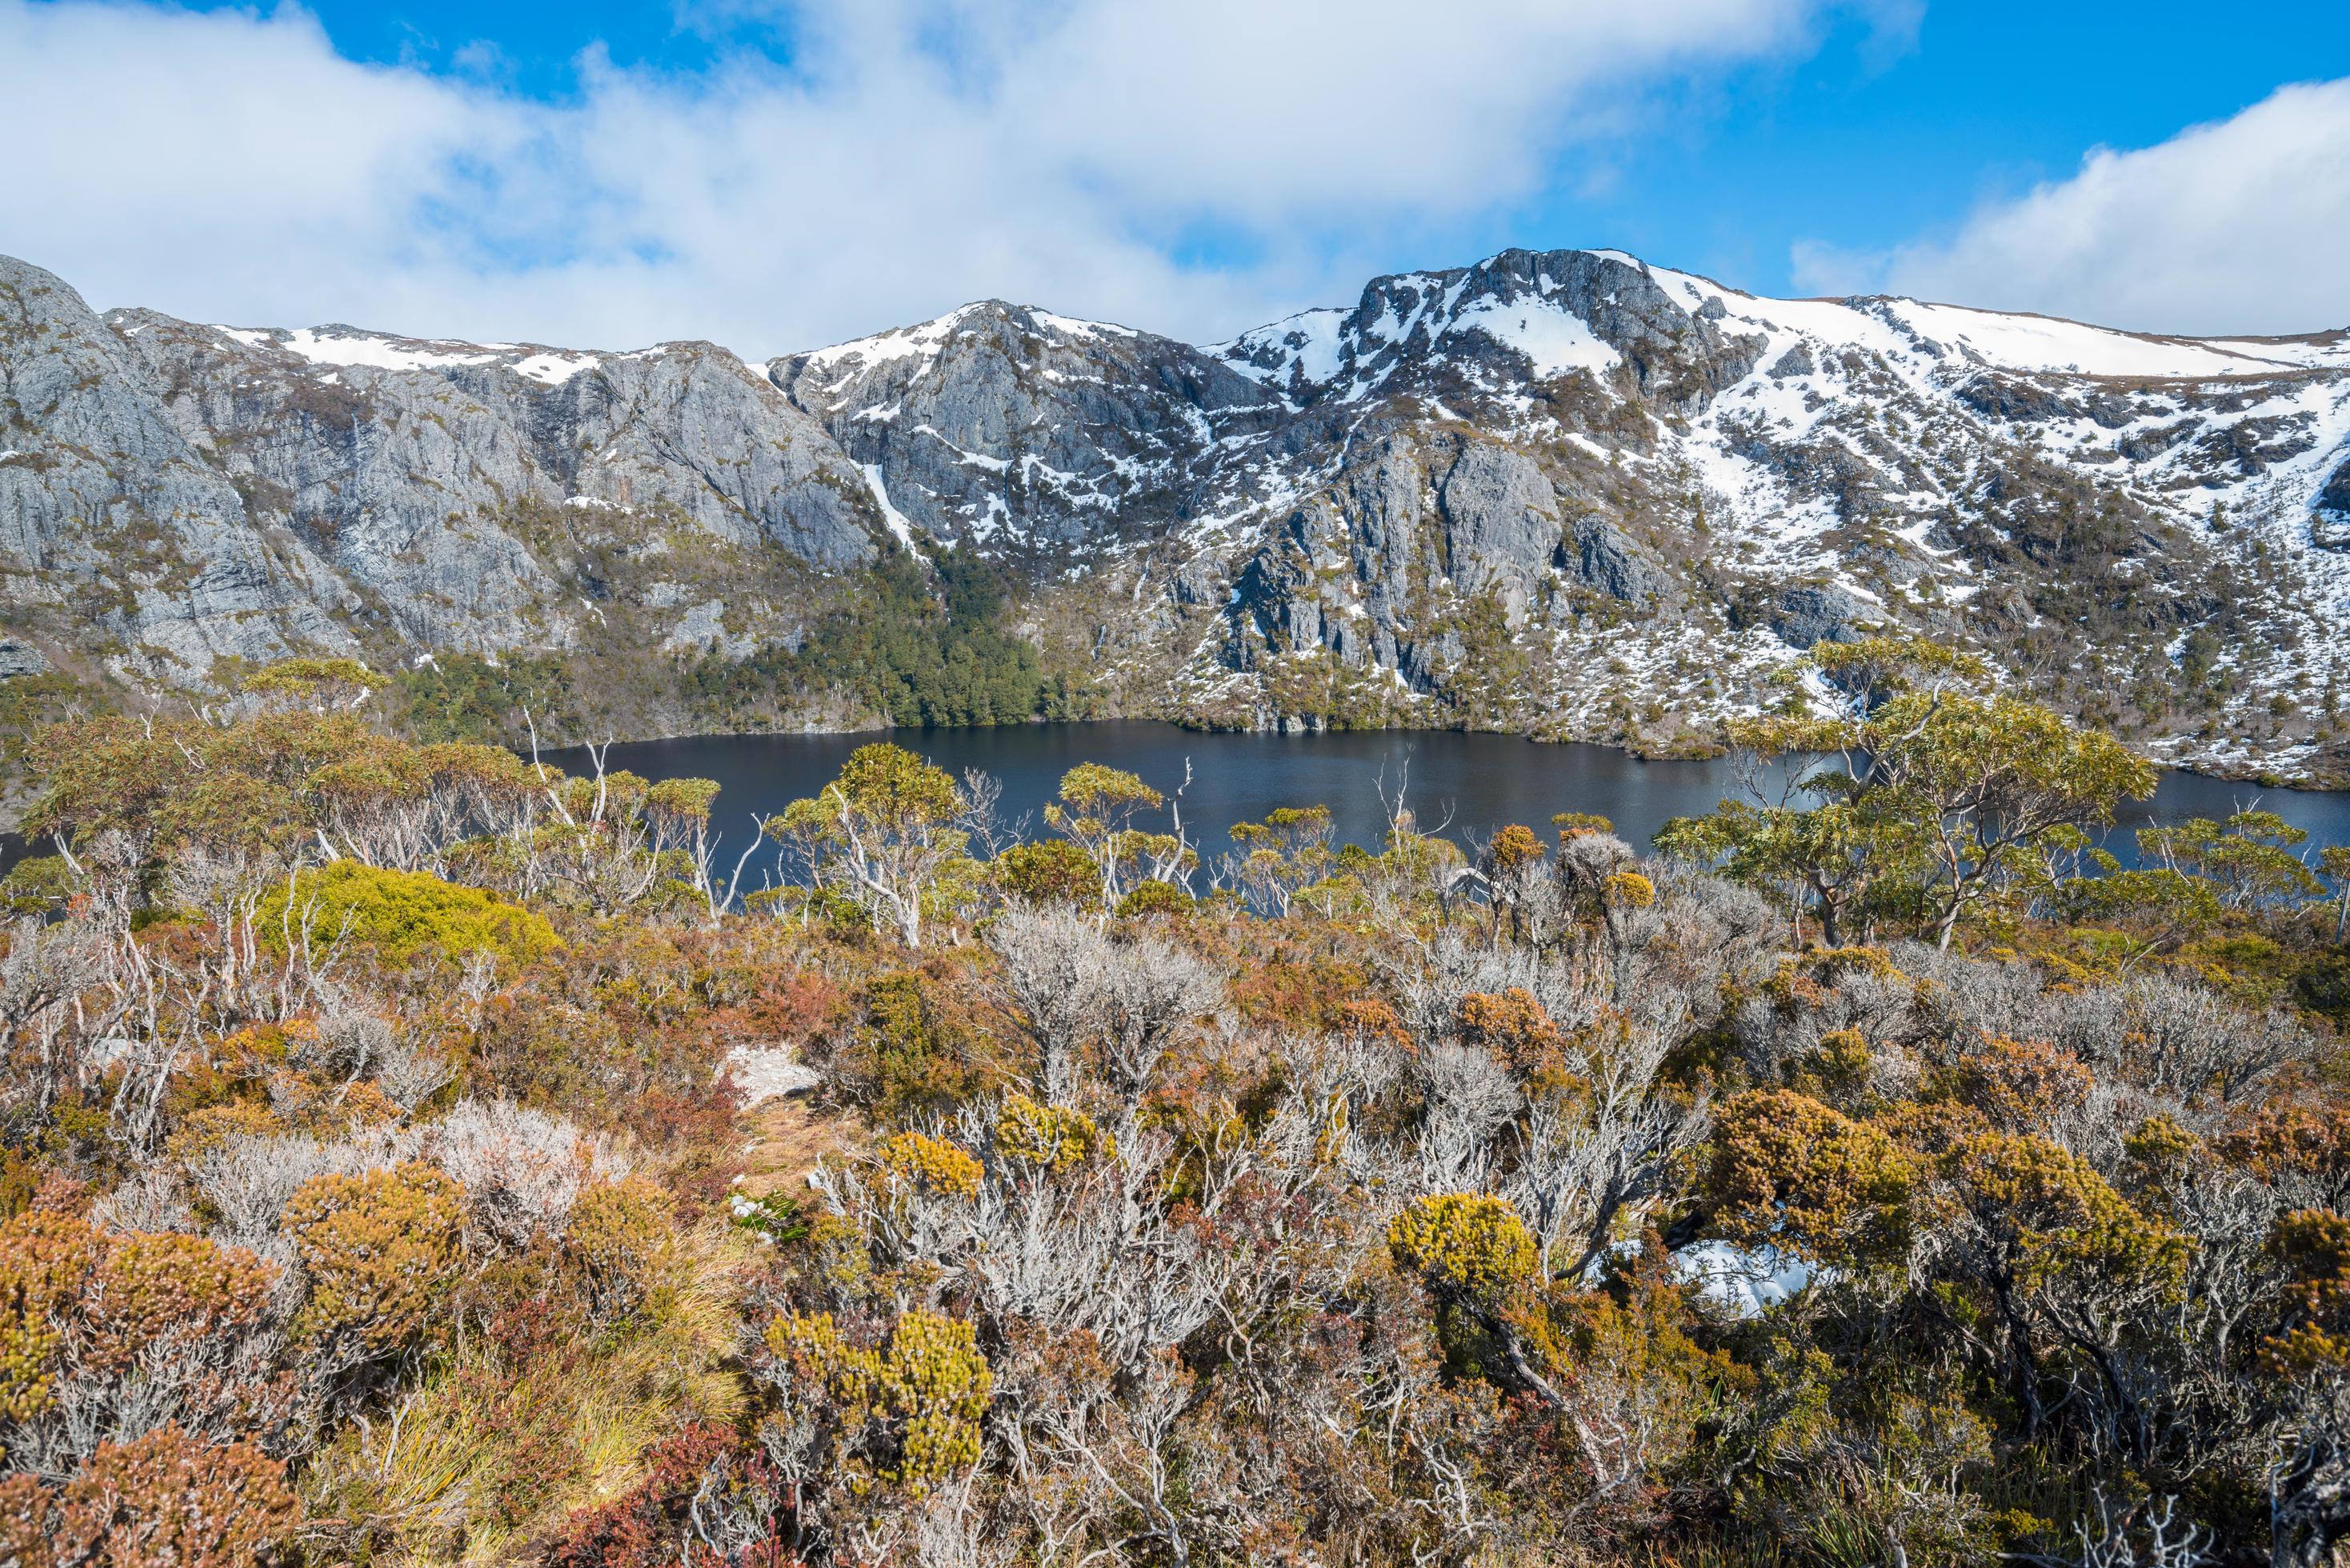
[2238,226]
[911,154]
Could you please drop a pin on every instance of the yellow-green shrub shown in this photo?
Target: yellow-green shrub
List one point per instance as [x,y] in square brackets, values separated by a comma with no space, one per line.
[401,913]
[1049,871]
[929,1387]
[1465,1244]
[1791,1172]
[1154,898]
[930,1164]
[1052,1137]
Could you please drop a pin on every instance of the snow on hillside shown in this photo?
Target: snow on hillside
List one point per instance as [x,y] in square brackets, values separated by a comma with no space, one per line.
[922,341]
[1314,349]
[844,364]
[1960,336]
[344,347]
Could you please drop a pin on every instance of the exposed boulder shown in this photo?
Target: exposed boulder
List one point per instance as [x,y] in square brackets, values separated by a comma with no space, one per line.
[1806,615]
[1603,556]
[20,659]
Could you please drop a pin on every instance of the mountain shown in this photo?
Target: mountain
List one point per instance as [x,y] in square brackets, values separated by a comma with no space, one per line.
[1567,493]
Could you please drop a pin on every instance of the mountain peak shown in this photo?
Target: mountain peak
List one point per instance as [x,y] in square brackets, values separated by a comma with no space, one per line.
[1564,490]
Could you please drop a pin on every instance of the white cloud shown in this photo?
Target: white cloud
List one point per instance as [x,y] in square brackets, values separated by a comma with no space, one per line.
[2237,226]
[916,154]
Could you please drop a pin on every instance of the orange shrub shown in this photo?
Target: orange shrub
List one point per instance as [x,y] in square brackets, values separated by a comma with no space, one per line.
[1512,1025]
[377,1248]
[73,1296]
[163,1498]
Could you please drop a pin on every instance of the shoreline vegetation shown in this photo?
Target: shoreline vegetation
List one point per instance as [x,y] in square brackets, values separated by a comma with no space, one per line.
[930,642]
[410,1153]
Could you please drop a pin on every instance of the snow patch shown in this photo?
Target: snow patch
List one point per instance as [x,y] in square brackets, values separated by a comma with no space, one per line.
[373,352]
[919,342]
[898,527]
[1307,343]
[2044,343]
[1744,1283]
[552,370]
[1069,325]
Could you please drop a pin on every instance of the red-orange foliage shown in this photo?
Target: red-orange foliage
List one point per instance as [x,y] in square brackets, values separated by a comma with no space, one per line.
[2297,1140]
[73,1294]
[1374,1018]
[1512,1025]
[644,1527]
[2020,1084]
[2314,1244]
[161,1499]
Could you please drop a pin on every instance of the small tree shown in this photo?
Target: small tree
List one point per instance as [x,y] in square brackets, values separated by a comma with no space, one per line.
[2334,861]
[1096,811]
[1279,858]
[2248,861]
[890,834]
[1509,862]
[1931,798]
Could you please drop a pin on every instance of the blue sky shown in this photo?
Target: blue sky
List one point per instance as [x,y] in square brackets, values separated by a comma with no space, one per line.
[779,173]
[1897,124]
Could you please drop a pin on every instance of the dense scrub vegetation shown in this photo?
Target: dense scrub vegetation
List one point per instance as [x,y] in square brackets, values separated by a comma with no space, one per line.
[1874,1175]
[919,647]
[908,642]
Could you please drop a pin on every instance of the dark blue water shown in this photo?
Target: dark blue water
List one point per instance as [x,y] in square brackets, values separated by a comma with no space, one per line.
[1462,785]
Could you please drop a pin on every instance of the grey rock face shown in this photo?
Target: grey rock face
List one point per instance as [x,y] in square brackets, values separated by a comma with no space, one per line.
[337,489]
[1804,615]
[1501,518]
[111,522]
[1606,558]
[20,659]
[1662,485]
[702,629]
[1004,425]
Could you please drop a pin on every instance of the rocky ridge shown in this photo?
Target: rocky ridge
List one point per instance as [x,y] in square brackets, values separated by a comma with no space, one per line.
[1566,492]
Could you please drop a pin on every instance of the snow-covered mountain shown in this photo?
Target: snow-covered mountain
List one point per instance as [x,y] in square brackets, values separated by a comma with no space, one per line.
[1007,427]
[1567,493]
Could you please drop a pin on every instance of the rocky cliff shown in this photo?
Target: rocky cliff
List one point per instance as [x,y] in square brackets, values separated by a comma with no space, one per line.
[1567,493]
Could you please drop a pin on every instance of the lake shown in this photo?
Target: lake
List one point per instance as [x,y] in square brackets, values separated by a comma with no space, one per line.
[1466,785]
[1474,782]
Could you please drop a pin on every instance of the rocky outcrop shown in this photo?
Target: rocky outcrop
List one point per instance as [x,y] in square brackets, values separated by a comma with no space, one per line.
[212,491]
[1804,616]
[1501,524]
[2335,495]
[113,525]
[19,659]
